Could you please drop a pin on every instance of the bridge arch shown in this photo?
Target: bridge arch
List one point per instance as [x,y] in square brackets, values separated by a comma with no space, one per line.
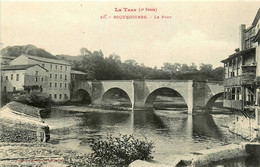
[160,91]
[212,100]
[82,95]
[114,94]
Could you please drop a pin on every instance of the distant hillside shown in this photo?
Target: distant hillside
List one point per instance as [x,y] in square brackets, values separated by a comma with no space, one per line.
[69,58]
[15,51]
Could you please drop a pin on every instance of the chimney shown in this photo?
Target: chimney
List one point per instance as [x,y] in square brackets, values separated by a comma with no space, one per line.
[242,29]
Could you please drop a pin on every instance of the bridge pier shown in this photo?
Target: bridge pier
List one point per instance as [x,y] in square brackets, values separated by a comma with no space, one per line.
[190,101]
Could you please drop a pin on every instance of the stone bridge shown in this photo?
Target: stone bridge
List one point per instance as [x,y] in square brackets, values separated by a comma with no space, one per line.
[142,93]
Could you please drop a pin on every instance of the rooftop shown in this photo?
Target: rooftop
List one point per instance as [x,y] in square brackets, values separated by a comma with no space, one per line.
[47,60]
[257,17]
[237,54]
[19,67]
[257,36]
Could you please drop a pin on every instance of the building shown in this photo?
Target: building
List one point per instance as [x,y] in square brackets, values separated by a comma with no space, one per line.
[242,69]
[242,82]
[58,75]
[30,77]
[240,73]
[256,40]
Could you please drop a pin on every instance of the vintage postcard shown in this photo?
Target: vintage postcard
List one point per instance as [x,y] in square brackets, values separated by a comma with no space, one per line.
[130,83]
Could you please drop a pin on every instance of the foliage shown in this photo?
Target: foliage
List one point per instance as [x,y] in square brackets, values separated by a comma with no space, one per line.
[6,98]
[119,151]
[36,99]
[99,67]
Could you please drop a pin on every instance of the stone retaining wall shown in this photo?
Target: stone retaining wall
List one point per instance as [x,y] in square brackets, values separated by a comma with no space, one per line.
[205,157]
[20,126]
[245,127]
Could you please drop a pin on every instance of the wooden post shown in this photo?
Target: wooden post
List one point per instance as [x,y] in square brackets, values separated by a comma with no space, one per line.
[227,69]
[257,116]
[243,97]
[236,66]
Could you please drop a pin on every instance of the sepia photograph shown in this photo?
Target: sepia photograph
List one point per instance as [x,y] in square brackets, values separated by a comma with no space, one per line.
[130,83]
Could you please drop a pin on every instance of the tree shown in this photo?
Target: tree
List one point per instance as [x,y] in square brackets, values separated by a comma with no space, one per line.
[193,67]
[184,68]
[205,67]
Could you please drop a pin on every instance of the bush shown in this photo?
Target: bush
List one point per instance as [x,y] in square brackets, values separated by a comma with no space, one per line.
[119,151]
[36,99]
[6,98]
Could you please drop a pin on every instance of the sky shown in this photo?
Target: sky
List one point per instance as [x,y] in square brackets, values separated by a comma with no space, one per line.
[199,32]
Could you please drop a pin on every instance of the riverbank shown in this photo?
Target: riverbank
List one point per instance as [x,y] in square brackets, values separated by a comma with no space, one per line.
[208,157]
[44,154]
[38,154]
[88,108]
[22,123]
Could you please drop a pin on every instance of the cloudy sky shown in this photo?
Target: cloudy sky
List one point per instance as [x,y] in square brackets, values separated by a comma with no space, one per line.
[199,32]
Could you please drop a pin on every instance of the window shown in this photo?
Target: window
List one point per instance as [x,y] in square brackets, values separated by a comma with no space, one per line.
[14,88]
[61,85]
[36,79]
[55,85]
[233,93]
[65,85]
[50,96]
[55,96]
[56,76]
[50,75]
[60,96]
[228,93]
[65,77]
[238,94]
[51,66]
[36,72]
[50,84]
[42,79]
[66,68]
[12,76]
[17,77]
[60,76]
[56,67]
[6,77]
[5,89]
[60,67]
[65,96]
[232,74]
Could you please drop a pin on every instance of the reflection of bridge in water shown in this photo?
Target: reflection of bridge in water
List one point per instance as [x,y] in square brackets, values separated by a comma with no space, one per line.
[142,94]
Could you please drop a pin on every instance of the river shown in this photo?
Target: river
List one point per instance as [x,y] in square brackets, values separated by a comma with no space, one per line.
[173,131]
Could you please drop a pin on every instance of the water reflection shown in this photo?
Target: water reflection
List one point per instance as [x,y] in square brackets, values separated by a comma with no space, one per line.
[173,132]
[148,119]
[204,125]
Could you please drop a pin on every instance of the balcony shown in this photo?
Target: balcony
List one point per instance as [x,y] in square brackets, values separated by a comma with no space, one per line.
[233,81]
[234,104]
[248,74]
[246,78]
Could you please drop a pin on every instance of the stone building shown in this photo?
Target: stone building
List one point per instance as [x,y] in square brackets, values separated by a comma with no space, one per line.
[31,77]
[57,71]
